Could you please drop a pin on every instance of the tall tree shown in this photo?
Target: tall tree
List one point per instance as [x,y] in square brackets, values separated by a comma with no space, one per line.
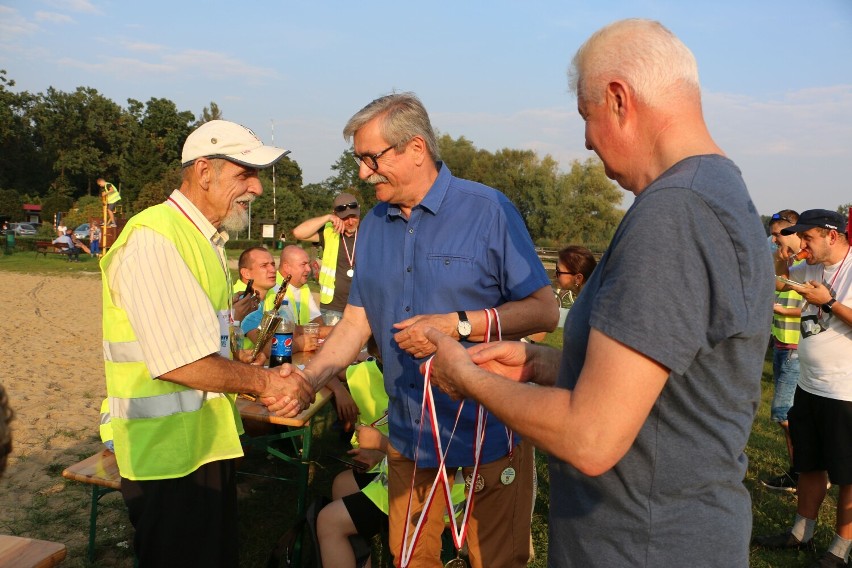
[81,133]
[22,165]
[158,132]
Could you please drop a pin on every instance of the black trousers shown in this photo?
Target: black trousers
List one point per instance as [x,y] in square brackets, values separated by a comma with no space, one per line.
[187,521]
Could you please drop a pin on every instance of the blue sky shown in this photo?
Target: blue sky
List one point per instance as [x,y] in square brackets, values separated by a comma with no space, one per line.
[777,76]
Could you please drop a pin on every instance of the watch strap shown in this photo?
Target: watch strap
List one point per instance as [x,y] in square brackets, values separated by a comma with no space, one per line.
[828,305]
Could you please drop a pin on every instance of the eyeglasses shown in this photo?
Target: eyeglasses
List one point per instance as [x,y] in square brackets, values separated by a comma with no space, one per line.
[780,217]
[371,159]
[343,207]
[559,273]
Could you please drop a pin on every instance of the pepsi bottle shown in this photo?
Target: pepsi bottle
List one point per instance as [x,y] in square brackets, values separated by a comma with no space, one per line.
[282,342]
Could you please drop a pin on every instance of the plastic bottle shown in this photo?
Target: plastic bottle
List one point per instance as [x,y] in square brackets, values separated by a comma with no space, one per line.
[237,337]
[282,343]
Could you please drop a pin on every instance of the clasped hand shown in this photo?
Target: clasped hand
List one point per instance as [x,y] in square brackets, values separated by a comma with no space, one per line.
[454,368]
[289,392]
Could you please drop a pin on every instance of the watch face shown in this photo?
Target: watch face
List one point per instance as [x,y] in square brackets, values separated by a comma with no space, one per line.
[464,328]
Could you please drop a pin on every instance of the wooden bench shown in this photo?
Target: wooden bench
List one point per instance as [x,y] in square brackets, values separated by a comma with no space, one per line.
[48,247]
[21,552]
[101,472]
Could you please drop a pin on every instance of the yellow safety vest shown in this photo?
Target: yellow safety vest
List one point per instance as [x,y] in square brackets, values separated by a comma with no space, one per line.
[368,391]
[328,269]
[163,430]
[786,329]
[304,315]
[112,194]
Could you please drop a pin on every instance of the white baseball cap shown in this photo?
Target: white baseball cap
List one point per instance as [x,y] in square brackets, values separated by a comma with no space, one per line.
[231,141]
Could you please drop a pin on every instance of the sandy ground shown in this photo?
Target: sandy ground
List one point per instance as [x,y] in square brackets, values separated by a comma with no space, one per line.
[52,369]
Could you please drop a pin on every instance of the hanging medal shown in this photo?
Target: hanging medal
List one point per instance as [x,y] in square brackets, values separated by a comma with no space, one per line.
[507,476]
[350,257]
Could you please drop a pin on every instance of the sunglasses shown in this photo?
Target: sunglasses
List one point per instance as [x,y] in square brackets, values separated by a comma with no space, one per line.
[343,207]
[780,217]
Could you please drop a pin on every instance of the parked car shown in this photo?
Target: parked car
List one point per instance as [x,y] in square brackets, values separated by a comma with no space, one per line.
[82,232]
[23,229]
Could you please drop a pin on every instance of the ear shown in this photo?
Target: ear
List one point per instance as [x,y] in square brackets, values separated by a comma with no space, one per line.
[203,172]
[580,278]
[618,100]
[417,146]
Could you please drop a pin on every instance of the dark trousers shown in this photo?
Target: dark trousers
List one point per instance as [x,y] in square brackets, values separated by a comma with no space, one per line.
[187,521]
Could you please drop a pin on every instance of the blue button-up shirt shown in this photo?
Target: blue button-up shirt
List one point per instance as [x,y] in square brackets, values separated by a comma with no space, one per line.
[464,247]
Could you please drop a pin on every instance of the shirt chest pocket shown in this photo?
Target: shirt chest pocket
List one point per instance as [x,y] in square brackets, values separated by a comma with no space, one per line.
[450,264]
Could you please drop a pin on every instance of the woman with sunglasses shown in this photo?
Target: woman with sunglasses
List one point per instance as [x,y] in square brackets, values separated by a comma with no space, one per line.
[573,268]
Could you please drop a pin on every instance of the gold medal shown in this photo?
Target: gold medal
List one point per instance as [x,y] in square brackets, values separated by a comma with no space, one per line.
[478,486]
[507,476]
[456,562]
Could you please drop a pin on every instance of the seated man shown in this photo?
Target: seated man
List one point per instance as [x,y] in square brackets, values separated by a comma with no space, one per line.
[295,263]
[256,265]
[65,243]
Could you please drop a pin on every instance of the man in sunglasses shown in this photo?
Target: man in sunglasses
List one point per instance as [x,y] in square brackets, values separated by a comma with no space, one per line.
[336,233]
[821,416]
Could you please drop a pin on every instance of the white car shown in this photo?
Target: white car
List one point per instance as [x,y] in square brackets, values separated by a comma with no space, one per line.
[82,232]
[23,229]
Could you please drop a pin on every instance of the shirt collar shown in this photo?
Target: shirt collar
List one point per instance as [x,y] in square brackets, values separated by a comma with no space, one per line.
[434,197]
[216,236]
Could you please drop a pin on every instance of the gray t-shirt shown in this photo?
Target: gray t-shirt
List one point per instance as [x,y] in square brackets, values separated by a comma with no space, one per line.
[687,282]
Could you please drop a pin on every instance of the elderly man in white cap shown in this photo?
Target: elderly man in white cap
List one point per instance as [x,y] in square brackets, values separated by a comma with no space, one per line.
[166,315]
[336,233]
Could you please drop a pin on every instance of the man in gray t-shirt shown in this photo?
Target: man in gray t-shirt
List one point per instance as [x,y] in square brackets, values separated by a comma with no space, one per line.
[650,410]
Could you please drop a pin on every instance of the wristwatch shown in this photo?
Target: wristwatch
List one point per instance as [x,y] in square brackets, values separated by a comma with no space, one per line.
[826,306]
[464,328]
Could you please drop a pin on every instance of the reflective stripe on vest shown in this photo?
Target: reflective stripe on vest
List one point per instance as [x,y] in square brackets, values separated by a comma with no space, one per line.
[106,425]
[328,269]
[160,406]
[786,329]
[161,429]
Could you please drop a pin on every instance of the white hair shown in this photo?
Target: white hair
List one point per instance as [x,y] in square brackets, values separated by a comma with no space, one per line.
[649,58]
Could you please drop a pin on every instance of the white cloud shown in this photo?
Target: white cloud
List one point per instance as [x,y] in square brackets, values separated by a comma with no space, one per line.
[215,65]
[143,47]
[81,6]
[53,17]
[13,25]
[119,66]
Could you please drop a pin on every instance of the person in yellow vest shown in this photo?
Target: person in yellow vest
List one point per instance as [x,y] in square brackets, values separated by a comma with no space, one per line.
[360,498]
[170,379]
[111,195]
[337,234]
[295,263]
[786,320]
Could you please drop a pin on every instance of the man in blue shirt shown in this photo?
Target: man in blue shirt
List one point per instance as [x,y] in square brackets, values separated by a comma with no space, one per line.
[436,253]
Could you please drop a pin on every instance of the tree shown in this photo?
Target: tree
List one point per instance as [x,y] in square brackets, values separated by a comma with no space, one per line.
[22,165]
[157,191]
[586,212]
[11,205]
[213,113]
[81,134]
[158,132]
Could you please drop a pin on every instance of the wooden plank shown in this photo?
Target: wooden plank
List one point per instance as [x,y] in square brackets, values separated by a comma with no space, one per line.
[21,552]
[99,469]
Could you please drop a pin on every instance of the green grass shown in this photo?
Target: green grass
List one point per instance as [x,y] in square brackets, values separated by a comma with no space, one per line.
[266,506]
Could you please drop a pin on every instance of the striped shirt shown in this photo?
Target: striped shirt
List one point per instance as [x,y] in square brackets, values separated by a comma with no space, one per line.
[170,313]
